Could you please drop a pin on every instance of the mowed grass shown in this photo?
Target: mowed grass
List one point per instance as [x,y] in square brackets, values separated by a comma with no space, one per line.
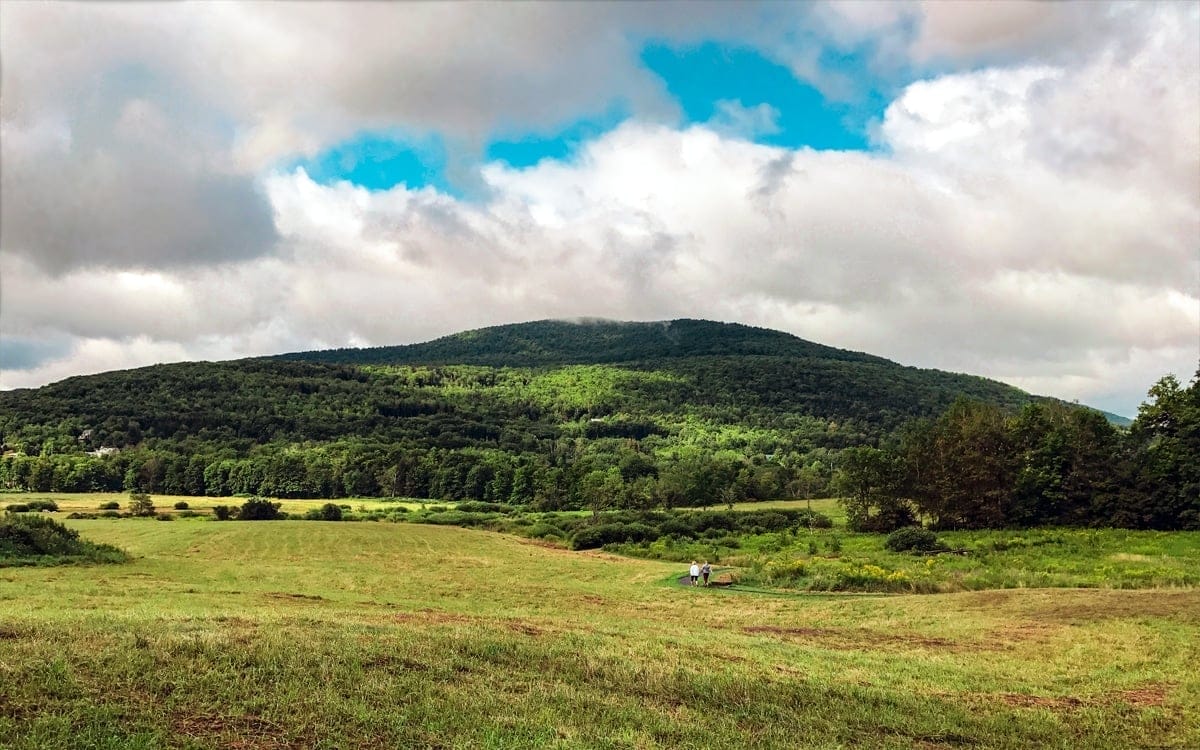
[89,502]
[343,635]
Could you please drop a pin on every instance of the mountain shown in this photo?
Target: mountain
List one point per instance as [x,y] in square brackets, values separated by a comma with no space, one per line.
[549,396]
[757,375]
[589,341]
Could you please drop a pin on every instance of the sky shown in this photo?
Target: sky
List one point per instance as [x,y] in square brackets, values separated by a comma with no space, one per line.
[1008,189]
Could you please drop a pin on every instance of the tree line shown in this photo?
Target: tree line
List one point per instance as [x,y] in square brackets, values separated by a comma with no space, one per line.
[978,466]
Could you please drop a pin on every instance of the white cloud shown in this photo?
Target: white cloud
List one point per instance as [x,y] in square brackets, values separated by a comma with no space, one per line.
[1034,219]
[733,118]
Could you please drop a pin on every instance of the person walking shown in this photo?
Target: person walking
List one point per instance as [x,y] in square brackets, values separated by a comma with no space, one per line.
[694,572]
[706,571]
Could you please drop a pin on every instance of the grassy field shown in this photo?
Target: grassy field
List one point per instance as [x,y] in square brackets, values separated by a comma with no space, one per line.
[297,634]
[89,502]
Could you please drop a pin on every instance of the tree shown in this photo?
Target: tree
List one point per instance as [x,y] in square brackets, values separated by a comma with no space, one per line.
[140,504]
[961,466]
[872,484]
[1167,433]
[601,489]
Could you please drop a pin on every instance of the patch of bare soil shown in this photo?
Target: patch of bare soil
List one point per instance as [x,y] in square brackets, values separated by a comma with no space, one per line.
[434,617]
[1016,634]
[1082,605]
[1075,606]
[855,639]
[524,628]
[544,544]
[1147,696]
[308,597]
[237,732]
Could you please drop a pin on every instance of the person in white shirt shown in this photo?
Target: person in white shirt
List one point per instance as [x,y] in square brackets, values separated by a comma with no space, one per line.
[694,572]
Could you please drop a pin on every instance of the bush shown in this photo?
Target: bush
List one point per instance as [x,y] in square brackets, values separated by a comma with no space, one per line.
[111,505]
[591,537]
[914,538]
[17,508]
[46,505]
[140,504]
[676,527]
[190,514]
[181,505]
[475,506]
[543,530]
[259,509]
[327,512]
[224,512]
[34,540]
[165,517]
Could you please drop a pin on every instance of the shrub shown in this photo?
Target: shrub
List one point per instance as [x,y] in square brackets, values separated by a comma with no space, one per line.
[591,537]
[675,527]
[108,514]
[543,530]
[913,538]
[26,540]
[456,518]
[474,506]
[140,504]
[46,505]
[259,509]
[190,514]
[17,508]
[327,512]
[224,512]
[812,519]
[165,517]
[181,505]
[110,505]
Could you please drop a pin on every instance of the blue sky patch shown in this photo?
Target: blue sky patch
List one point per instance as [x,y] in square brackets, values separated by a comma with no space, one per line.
[528,150]
[710,78]
[379,161]
[735,90]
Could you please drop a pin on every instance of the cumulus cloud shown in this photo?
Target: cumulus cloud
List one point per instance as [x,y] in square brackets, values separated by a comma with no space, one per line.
[1032,218]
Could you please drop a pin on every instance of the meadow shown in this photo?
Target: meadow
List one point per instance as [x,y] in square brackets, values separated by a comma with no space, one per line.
[299,634]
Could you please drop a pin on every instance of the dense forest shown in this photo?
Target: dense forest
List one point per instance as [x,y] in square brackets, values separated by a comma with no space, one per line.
[548,414]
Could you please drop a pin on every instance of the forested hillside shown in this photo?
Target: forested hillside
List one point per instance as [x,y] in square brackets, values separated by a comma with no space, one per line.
[552,413]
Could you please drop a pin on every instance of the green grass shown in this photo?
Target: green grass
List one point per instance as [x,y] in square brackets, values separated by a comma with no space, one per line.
[308,634]
[837,560]
[89,502]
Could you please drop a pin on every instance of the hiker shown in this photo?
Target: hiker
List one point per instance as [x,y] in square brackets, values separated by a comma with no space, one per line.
[694,572]
[705,571]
